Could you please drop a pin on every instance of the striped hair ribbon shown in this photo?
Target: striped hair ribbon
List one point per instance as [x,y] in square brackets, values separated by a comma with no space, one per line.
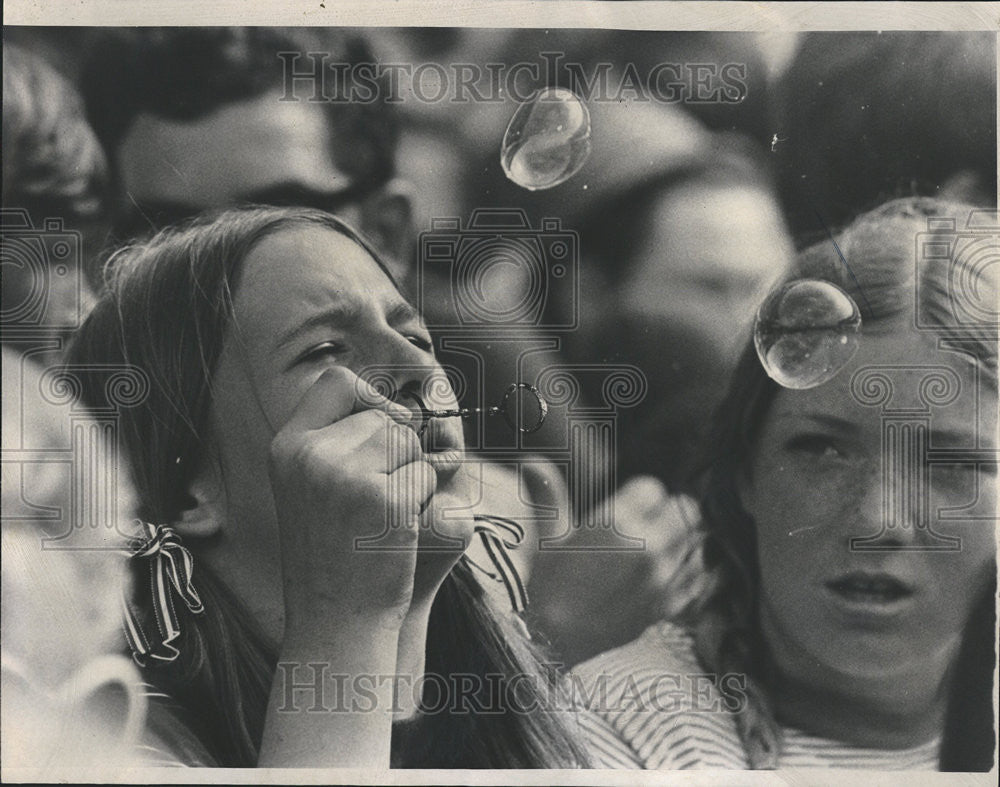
[170,565]
[499,534]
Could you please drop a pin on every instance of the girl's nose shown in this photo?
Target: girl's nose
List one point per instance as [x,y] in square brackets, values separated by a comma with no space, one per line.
[393,364]
[891,505]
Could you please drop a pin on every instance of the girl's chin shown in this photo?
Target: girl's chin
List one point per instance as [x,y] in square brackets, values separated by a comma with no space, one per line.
[873,660]
[445,463]
[446,526]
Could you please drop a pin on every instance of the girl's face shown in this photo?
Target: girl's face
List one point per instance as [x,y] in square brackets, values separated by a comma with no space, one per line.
[830,612]
[309,298]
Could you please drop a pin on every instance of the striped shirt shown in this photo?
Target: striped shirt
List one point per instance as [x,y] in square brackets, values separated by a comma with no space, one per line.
[655,707]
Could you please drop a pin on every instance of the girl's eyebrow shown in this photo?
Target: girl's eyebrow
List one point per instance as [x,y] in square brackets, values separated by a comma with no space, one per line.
[341,315]
[938,437]
[338,315]
[823,419]
[402,312]
[952,438]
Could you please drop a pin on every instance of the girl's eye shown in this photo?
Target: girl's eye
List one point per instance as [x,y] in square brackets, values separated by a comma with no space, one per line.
[324,350]
[962,472]
[818,446]
[422,342]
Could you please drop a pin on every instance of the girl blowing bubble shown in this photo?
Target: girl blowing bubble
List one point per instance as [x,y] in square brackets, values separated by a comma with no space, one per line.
[318,532]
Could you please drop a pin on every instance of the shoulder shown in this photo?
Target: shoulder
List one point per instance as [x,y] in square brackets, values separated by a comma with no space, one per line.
[661,703]
[605,745]
[662,647]
[167,741]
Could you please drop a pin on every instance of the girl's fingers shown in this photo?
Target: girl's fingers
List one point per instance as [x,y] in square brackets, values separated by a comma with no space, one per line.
[372,439]
[410,490]
[337,393]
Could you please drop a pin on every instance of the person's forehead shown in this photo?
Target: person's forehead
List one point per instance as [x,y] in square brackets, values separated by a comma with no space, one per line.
[240,149]
[303,269]
[911,370]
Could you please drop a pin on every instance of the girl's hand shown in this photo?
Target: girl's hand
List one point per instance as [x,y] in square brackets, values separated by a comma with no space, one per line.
[446,528]
[350,483]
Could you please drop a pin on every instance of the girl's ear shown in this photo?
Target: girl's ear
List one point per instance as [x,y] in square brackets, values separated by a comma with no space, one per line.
[204,515]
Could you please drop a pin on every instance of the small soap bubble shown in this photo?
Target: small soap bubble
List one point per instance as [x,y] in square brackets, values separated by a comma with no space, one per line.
[523,408]
[547,140]
[806,331]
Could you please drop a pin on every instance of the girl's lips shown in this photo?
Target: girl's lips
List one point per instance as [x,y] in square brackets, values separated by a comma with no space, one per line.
[870,584]
[868,595]
[443,448]
[445,462]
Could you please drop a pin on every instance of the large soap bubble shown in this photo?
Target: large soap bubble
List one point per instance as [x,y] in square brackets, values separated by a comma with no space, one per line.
[547,140]
[806,331]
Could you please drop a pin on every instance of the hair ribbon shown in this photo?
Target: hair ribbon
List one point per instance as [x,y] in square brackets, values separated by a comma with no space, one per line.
[499,534]
[170,568]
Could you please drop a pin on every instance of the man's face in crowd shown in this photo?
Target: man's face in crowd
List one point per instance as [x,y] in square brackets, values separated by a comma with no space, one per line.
[262,150]
[680,311]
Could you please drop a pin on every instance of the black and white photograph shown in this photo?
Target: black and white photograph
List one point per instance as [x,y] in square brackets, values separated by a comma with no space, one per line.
[518,392]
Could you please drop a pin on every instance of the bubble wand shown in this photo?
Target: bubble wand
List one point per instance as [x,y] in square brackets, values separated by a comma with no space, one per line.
[513,415]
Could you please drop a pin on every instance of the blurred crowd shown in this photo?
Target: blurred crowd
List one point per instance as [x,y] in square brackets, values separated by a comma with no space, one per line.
[683,216]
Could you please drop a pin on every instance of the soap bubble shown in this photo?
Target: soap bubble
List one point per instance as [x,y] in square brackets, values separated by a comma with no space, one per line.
[547,140]
[523,408]
[806,331]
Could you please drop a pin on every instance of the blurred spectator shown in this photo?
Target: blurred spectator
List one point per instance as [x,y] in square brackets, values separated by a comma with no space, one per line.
[434,158]
[458,115]
[680,237]
[675,269]
[69,699]
[866,117]
[201,118]
[61,47]
[54,200]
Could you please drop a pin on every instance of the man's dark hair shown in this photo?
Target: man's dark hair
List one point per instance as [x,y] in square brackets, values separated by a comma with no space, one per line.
[184,74]
[867,117]
[731,161]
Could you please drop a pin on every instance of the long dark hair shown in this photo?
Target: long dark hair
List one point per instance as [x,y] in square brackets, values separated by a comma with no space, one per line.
[873,260]
[167,307]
